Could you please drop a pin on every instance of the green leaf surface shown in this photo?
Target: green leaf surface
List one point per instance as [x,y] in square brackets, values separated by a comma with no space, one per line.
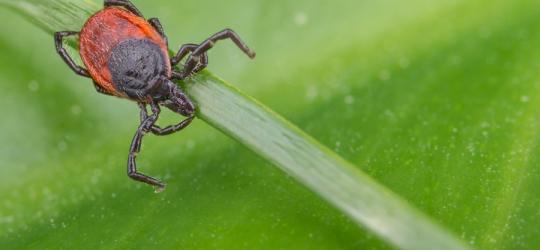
[435,100]
[266,133]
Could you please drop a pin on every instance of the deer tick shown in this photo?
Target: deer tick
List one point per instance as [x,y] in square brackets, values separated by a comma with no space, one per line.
[127,56]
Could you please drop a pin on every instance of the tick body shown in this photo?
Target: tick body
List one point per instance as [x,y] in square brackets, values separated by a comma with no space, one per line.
[127,56]
[115,41]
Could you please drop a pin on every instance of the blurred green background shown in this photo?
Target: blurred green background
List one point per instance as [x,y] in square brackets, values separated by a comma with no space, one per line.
[438,100]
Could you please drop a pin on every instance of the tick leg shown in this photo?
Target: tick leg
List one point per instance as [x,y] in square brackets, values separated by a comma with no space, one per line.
[143,113]
[172,128]
[159,28]
[123,3]
[198,54]
[183,52]
[156,130]
[59,42]
[135,148]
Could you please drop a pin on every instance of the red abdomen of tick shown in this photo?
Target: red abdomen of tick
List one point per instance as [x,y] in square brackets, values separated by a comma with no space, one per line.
[103,32]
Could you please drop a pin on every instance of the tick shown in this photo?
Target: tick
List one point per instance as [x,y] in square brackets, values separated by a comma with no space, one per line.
[127,56]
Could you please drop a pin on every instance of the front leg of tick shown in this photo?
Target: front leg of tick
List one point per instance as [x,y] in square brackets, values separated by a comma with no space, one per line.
[198,59]
[144,128]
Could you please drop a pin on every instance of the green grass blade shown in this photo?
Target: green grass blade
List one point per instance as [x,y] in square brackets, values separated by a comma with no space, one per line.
[316,166]
[272,137]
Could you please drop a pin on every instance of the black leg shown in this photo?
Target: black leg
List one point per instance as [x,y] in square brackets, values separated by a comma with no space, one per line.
[172,128]
[143,112]
[123,3]
[59,41]
[183,52]
[158,27]
[156,130]
[144,128]
[197,56]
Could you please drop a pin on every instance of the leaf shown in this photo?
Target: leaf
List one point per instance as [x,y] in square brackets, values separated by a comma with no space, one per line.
[219,103]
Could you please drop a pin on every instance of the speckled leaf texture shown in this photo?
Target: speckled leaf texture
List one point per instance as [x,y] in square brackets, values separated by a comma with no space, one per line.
[435,103]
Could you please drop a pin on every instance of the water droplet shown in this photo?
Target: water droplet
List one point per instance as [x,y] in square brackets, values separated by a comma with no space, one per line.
[525,98]
[6,220]
[62,146]
[389,114]
[404,63]
[33,86]
[190,144]
[385,75]
[455,60]
[349,99]
[312,93]
[96,175]
[76,109]
[300,18]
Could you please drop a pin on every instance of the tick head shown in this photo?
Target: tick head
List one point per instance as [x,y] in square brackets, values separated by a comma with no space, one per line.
[178,101]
